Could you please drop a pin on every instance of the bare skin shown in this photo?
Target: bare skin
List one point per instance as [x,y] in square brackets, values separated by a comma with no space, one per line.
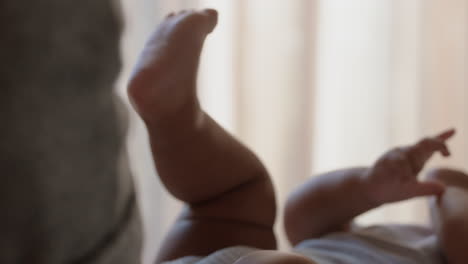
[355,191]
[450,214]
[392,178]
[227,191]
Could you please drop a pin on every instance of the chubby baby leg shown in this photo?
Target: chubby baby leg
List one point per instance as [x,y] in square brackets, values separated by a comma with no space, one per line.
[227,191]
[450,214]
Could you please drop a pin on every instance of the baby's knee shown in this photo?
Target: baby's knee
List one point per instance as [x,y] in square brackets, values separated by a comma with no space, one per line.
[453,238]
[449,213]
[449,177]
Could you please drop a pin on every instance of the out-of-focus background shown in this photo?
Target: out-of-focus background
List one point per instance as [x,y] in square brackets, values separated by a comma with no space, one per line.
[313,86]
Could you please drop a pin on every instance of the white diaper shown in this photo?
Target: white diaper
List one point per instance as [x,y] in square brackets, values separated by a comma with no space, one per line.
[390,244]
[387,244]
[224,256]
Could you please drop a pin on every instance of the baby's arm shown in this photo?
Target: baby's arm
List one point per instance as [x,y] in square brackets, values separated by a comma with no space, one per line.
[329,202]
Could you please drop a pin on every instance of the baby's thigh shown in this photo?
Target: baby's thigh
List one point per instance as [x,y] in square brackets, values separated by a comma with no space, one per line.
[450,214]
[273,257]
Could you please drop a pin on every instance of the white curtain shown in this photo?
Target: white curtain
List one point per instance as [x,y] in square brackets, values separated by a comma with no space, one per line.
[312,86]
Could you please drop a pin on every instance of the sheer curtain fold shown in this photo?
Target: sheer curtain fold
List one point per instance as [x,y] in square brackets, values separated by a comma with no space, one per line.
[273,107]
[317,85]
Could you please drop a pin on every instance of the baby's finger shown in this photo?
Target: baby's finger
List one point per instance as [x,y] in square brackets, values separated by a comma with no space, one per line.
[446,134]
[427,188]
[435,144]
[445,151]
[428,146]
[422,151]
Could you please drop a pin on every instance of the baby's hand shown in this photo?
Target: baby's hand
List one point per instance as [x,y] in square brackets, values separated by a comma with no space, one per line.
[394,176]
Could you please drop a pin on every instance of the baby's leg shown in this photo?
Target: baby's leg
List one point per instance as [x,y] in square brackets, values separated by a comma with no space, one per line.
[450,214]
[229,195]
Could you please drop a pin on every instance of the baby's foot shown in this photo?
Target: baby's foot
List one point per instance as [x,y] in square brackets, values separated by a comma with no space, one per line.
[164,79]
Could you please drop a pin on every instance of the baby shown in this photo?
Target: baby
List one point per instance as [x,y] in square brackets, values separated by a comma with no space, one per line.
[230,202]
